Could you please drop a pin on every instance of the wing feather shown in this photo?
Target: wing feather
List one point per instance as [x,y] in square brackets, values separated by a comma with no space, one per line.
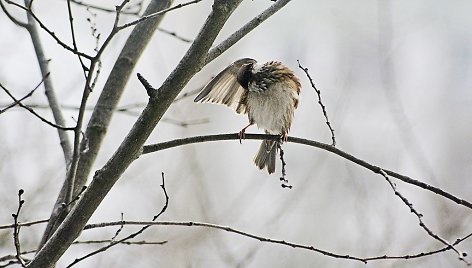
[225,88]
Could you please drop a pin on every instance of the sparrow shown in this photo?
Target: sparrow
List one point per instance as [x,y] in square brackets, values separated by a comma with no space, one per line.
[268,93]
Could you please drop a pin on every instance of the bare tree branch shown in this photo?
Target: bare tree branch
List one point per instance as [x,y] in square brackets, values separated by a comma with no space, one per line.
[243,31]
[274,241]
[30,223]
[420,218]
[109,10]
[327,147]
[156,14]
[283,177]
[142,242]
[16,229]
[74,41]
[49,88]
[174,34]
[11,17]
[15,103]
[105,178]
[323,108]
[131,236]
[45,28]
[113,89]
[69,188]
[33,111]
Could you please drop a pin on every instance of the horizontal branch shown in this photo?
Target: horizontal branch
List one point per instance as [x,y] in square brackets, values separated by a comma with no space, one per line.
[270,240]
[21,224]
[327,147]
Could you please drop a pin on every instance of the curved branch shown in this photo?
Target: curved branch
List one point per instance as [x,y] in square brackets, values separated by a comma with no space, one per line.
[376,169]
[273,241]
[11,17]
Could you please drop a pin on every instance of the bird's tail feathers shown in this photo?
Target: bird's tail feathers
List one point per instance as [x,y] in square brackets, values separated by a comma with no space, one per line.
[265,157]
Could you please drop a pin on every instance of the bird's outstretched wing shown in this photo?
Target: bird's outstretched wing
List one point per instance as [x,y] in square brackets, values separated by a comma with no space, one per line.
[225,88]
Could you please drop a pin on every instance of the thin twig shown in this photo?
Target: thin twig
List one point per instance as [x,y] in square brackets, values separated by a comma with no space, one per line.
[117,231]
[131,236]
[174,34]
[327,147]
[153,15]
[15,103]
[243,31]
[109,10]
[51,33]
[11,17]
[273,241]
[86,92]
[124,108]
[231,230]
[420,218]
[323,108]
[283,177]
[22,224]
[93,28]
[13,257]
[128,110]
[19,103]
[142,242]
[16,229]
[134,13]
[74,42]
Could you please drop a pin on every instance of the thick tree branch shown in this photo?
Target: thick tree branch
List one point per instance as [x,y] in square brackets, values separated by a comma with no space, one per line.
[106,177]
[113,89]
[53,102]
[327,147]
[59,211]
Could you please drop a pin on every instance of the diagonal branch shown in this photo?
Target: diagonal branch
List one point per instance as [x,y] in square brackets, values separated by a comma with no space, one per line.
[327,147]
[243,31]
[156,14]
[112,91]
[17,102]
[132,235]
[130,148]
[45,28]
[33,111]
[11,17]
[420,219]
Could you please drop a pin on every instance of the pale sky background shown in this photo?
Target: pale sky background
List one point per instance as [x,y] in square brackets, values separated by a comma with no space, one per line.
[395,76]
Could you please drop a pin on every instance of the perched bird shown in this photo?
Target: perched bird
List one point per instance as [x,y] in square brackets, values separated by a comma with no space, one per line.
[267,93]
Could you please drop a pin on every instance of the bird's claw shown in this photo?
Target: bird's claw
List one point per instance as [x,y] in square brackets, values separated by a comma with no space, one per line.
[241,135]
[284,137]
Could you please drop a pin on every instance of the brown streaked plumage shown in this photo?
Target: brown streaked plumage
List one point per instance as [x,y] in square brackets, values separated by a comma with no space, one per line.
[267,93]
